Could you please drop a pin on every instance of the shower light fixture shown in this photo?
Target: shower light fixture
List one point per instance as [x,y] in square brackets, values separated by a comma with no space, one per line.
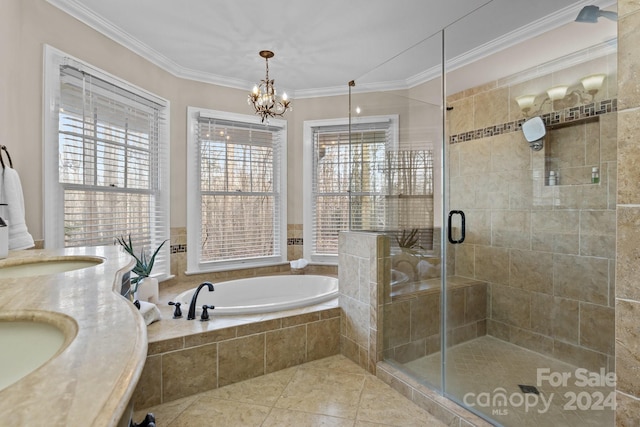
[591,14]
[557,92]
[591,84]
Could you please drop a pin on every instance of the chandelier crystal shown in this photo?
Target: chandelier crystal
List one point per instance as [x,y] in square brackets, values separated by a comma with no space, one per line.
[264,98]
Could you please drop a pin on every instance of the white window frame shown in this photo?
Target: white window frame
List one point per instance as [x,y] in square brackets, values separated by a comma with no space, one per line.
[195,264]
[308,171]
[53,193]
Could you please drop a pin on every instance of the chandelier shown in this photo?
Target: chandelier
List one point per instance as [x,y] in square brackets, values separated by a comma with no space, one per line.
[263,96]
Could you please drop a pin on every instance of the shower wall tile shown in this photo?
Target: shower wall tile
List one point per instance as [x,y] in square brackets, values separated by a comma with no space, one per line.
[581,278]
[628,66]
[465,260]
[461,117]
[478,223]
[531,340]
[510,151]
[425,315]
[511,229]
[529,270]
[491,107]
[597,328]
[608,138]
[580,356]
[511,306]
[475,158]
[555,317]
[149,387]
[492,264]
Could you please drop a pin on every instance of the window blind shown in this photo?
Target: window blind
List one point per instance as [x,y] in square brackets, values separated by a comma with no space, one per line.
[240,190]
[360,183]
[111,176]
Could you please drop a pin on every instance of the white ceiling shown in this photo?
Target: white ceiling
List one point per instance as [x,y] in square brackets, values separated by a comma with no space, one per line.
[321,45]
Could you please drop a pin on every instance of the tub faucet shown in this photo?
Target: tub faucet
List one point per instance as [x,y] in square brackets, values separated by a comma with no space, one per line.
[192,306]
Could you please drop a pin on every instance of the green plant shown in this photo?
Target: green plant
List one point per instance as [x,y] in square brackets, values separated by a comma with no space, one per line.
[144,264]
[408,239]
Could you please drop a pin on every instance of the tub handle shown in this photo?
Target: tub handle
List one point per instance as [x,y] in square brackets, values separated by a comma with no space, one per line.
[205,313]
[177,313]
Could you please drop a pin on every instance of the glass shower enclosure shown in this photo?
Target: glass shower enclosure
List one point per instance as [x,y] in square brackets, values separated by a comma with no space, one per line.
[500,289]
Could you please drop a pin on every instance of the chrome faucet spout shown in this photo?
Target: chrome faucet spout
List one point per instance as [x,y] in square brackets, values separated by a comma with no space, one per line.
[192,306]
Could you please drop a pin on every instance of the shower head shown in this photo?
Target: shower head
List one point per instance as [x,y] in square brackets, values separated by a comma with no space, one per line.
[534,130]
[592,13]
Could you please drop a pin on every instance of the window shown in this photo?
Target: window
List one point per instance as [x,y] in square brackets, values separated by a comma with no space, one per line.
[106,160]
[364,180]
[236,196]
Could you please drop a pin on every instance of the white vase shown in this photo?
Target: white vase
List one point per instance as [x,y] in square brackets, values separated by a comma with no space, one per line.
[148,290]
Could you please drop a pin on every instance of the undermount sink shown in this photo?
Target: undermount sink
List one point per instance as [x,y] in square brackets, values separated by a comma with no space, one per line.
[26,345]
[38,267]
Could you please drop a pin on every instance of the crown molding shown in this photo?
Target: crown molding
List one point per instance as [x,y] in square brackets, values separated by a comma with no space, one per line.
[76,9]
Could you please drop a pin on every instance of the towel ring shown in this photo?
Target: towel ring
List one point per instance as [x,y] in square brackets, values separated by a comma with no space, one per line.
[4,148]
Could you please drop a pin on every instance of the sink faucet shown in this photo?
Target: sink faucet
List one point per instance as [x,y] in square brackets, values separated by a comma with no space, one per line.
[192,306]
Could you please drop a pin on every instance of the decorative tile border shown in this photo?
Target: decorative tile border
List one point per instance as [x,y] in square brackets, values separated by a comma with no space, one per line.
[178,249]
[567,115]
[297,241]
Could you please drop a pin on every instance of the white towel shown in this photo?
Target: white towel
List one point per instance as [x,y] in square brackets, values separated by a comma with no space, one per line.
[150,312]
[11,187]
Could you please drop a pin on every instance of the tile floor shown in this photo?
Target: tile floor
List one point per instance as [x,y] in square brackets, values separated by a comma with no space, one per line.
[486,364]
[329,392]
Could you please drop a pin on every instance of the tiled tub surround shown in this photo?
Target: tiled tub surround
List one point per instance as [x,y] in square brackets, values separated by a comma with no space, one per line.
[188,357]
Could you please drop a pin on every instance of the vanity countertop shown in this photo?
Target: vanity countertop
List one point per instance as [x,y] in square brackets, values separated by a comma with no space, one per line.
[91,382]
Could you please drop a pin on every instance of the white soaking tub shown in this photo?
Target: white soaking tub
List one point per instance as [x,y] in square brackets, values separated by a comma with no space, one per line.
[263,294]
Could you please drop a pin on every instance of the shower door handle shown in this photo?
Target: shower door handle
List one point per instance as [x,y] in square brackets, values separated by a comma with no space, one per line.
[450,229]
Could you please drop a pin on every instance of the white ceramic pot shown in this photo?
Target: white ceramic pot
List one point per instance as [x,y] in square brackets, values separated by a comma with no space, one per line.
[148,290]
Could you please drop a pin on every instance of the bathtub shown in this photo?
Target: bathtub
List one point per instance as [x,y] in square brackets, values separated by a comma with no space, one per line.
[263,294]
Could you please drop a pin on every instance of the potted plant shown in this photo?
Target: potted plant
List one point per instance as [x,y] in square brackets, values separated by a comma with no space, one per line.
[142,270]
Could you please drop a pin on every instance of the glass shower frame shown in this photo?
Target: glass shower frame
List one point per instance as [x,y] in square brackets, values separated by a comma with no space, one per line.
[449,232]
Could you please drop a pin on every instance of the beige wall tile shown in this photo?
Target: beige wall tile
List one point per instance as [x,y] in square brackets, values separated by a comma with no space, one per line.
[511,306]
[627,347]
[628,65]
[529,270]
[285,348]
[323,338]
[491,107]
[510,151]
[455,308]
[626,7]
[240,359]
[579,356]
[475,303]
[492,264]
[425,316]
[532,341]
[628,156]
[511,229]
[628,253]
[627,410]
[461,117]
[597,328]
[581,278]
[149,389]
[189,371]
[397,320]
